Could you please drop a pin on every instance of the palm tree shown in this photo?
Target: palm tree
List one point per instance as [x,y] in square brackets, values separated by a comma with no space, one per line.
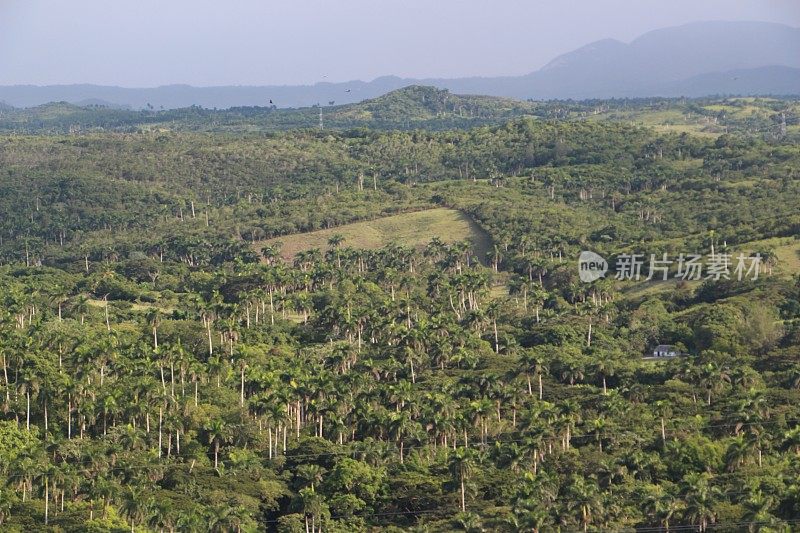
[106,489]
[759,509]
[605,367]
[792,440]
[401,426]
[712,378]
[164,515]
[530,515]
[313,506]
[46,471]
[137,505]
[153,319]
[461,462]
[310,474]
[661,504]
[584,496]
[81,306]
[663,409]
[222,518]
[335,242]
[469,523]
[218,433]
[598,425]
[572,370]
[700,498]
[570,415]
[535,361]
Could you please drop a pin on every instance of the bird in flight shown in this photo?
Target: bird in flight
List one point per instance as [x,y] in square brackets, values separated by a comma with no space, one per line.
[270,100]
[347,90]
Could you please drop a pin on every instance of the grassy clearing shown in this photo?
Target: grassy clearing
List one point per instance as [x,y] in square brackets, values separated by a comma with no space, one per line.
[692,129]
[737,111]
[786,249]
[408,229]
[666,121]
[135,306]
[688,164]
[644,288]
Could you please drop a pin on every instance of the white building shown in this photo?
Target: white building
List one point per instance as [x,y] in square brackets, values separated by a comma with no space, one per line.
[666,350]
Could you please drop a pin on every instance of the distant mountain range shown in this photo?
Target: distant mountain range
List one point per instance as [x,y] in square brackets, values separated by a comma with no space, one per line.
[698,59]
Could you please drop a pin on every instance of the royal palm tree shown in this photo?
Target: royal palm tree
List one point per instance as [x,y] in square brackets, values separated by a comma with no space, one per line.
[700,498]
[137,505]
[461,462]
[535,362]
[217,432]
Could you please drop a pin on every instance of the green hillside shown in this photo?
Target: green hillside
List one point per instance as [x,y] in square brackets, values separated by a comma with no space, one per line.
[166,366]
[407,108]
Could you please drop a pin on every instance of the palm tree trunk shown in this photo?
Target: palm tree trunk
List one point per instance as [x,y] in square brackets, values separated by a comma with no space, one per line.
[210,341]
[540,386]
[585,521]
[241,392]
[160,425]
[463,498]
[5,376]
[589,336]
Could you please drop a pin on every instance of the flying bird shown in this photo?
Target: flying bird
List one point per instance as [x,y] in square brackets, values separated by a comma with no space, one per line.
[270,100]
[347,90]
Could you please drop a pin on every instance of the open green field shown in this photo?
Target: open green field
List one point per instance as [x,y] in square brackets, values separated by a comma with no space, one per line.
[666,121]
[408,229]
[142,307]
[786,250]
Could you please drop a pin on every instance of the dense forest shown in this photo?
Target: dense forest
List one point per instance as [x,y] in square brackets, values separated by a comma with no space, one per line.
[166,368]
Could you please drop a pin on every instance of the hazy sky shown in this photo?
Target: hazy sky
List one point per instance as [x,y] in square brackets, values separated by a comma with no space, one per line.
[143,43]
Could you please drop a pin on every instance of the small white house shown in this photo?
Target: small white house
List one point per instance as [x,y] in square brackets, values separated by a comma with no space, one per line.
[666,350]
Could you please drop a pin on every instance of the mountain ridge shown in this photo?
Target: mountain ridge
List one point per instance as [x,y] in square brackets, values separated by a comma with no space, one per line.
[662,62]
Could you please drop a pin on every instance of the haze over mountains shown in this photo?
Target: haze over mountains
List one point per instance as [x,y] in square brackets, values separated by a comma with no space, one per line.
[698,59]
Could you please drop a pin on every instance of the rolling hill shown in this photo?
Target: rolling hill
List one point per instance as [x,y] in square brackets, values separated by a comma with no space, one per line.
[406,108]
